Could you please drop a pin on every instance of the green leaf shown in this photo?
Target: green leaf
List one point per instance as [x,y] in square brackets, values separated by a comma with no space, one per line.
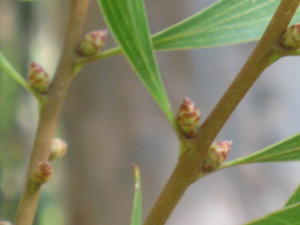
[225,22]
[286,150]
[136,217]
[8,70]
[286,216]
[295,198]
[128,21]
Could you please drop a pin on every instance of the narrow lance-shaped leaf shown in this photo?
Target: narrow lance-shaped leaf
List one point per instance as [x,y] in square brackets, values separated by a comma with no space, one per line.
[286,216]
[136,217]
[295,197]
[8,70]
[286,150]
[128,21]
[225,22]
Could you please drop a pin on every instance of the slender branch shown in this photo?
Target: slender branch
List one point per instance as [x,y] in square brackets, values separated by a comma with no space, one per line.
[50,112]
[189,166]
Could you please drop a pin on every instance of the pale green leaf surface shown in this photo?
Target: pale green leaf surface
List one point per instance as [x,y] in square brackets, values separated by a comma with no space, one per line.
[8,70]
[128,21]
[225,22]
[136,216]
[295,197]
[286,150]
[286,216]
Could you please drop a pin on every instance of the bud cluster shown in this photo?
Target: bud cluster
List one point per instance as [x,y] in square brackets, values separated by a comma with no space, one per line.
[38,78]
[217,153]
[291,37]
[188,118]
[92,43]
[42,173]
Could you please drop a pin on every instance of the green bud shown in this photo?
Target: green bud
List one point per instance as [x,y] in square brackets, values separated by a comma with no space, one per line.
[92,43]
[291,37]
[42,173]
[38,78]
[188,118]
[216,155]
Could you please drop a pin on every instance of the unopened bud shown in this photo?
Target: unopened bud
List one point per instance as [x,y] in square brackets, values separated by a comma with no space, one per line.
[188,118]
[38,78]
[58,149]
[217,153]
[92,43]
[291,37]
[42,172]
[5,223]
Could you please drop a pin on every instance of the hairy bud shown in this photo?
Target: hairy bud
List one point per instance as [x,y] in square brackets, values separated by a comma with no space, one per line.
[38,78]
[217,153]
[291,37]
[188,118]
[42,172]
[58,149]
[92,43]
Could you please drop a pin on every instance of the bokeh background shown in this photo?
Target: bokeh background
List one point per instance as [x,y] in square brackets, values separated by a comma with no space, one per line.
[110,122]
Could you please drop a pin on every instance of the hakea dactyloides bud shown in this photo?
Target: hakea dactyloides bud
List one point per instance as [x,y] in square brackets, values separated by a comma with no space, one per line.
[58,148]
[188,118]
[42,172]
[217,153]
[291,37]
[38,78]
[92,43]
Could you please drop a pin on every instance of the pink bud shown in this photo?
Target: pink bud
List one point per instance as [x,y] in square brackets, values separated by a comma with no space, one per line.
[291,37]
[92,43]
[42,172]
[5,223]
[38,78]
[188,118]
[217,153]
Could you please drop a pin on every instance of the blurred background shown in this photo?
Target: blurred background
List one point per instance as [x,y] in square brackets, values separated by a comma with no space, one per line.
[110,122]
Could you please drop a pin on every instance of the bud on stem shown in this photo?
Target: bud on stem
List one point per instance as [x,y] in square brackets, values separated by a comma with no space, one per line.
[217,153]
[38,78]
[291,37]
[188,118]
[58,149]
[92,43]
[42,172]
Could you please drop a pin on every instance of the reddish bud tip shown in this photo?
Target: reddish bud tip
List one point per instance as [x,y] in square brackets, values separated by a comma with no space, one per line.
[58,149]
[42,172]
[291,37]
[217,153]
[188,118]
[92,43]
[38,78]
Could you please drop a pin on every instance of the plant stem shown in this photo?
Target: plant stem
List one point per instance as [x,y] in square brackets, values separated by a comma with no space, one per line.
[50,112]
[189,166]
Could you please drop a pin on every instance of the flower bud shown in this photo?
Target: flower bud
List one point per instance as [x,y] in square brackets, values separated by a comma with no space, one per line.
[291,37]
[217,153]
[5,223]
[42,173]
[92,43]
[38,78]
[58,149]
[188,118]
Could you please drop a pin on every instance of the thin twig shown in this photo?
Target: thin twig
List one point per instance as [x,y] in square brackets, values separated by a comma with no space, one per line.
[189,166]
[50,112]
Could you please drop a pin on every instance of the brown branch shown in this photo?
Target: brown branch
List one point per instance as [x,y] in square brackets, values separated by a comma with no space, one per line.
[189,166]
[51,110]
